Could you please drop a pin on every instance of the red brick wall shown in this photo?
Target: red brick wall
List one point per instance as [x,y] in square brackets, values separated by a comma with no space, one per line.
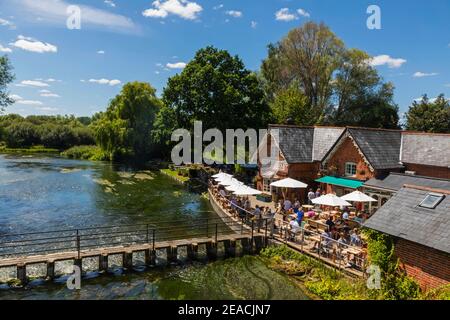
[347,152]
[429,171]
[430,267]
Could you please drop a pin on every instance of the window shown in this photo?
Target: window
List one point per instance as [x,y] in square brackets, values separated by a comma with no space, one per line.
[266,185]
[431,200]
[350,169]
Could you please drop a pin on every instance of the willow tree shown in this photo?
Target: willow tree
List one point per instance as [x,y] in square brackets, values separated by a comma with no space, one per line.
[125,128]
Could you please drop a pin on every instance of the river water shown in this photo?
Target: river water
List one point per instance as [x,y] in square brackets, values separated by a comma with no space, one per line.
[42,192]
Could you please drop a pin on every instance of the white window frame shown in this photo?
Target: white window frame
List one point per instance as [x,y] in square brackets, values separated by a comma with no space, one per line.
[346,172]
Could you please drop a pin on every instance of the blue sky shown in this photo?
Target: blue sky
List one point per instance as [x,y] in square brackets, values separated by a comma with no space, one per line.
[77,71]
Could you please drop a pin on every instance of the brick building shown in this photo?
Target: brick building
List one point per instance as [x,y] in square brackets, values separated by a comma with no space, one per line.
[419,220]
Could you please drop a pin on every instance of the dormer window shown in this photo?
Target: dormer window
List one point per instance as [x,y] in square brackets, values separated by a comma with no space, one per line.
[350,169]
[431,200]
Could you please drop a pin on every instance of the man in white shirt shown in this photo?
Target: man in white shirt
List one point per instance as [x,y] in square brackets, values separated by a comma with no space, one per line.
[311,195]
[295,227]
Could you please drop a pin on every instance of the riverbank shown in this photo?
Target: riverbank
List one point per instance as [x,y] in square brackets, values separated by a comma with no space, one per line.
[34,149]
[175,174]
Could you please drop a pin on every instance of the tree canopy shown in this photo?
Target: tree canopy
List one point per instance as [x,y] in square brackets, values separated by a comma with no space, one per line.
[6,77]
[339,84]
[218,90]
[429,115]
[125,128]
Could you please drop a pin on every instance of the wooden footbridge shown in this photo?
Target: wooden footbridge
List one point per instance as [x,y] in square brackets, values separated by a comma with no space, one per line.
[22,250]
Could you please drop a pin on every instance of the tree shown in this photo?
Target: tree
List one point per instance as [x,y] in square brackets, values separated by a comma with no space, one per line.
[125,128]
[339,83]
[215,88]
[429,116]
[292,105]
[165,123]
[6,77]
[308,55]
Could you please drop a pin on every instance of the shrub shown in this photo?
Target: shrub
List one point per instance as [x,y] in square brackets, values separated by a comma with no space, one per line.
[85,153]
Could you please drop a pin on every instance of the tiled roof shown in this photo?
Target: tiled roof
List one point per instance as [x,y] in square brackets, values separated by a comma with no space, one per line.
[428,149]
[380,147]
[306,144]
[401,216]
[395,181]
[324,139]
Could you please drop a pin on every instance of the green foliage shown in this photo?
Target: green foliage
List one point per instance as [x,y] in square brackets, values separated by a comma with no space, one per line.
[94,153]
[215,88]
[291,105]
[6,77]
[441,293]
[125,129]
[165,123]
[395,284]
[339,86]
[56,132]
[429,116]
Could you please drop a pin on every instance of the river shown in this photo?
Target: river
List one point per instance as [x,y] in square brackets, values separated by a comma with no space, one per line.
[43,192]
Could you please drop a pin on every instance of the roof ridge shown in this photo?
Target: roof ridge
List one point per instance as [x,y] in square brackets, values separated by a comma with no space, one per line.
[412,186]
[418,176]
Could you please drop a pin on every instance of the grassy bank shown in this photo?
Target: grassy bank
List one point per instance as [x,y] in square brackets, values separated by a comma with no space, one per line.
[34,149]
[329,284]
[180,175]
[85,153]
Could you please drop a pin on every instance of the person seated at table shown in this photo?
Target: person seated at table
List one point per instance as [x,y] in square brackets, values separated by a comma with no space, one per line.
[355,239]
[359,218]
[342,242]
[287,205]
[294,227]
[222,193]
[300,216]
[311,214]
[330,223]
[297,204]
[326,239]
[345,214]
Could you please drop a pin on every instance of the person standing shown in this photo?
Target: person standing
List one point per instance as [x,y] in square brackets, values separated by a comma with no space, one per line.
[311,196]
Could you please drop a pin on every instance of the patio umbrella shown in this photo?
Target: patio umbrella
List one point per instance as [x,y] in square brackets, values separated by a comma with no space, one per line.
[246,191]
[222,174]
[289,183]
[330,200]
[235,184]
[357,196]
[225,181]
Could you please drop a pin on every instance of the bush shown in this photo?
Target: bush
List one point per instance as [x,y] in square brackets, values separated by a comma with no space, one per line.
[85,153]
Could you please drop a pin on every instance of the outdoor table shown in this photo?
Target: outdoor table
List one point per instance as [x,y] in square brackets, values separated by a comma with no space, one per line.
[308,206]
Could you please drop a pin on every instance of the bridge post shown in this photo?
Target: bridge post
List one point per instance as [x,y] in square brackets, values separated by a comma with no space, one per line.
[22,273]
[211,250]
[230,248]
[50,270]
[192,251]
[172,254]
[127,260]
[103,262]
[259,243]
[246,245]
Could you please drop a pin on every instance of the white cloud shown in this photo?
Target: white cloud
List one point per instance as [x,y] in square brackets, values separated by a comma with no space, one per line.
[234,13]
[7,23]
[51,109]
[5,49]
[54,12]
[105,81]
[16,97]
[284,15]
[447,85]
[177,65]
[183,8]
[303,13]
[30,44]
[48,94]
[220,6]
[33,83]
[110,3]
[101,52]
[254,24]
[419,74]
[386,59]
[30,102]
